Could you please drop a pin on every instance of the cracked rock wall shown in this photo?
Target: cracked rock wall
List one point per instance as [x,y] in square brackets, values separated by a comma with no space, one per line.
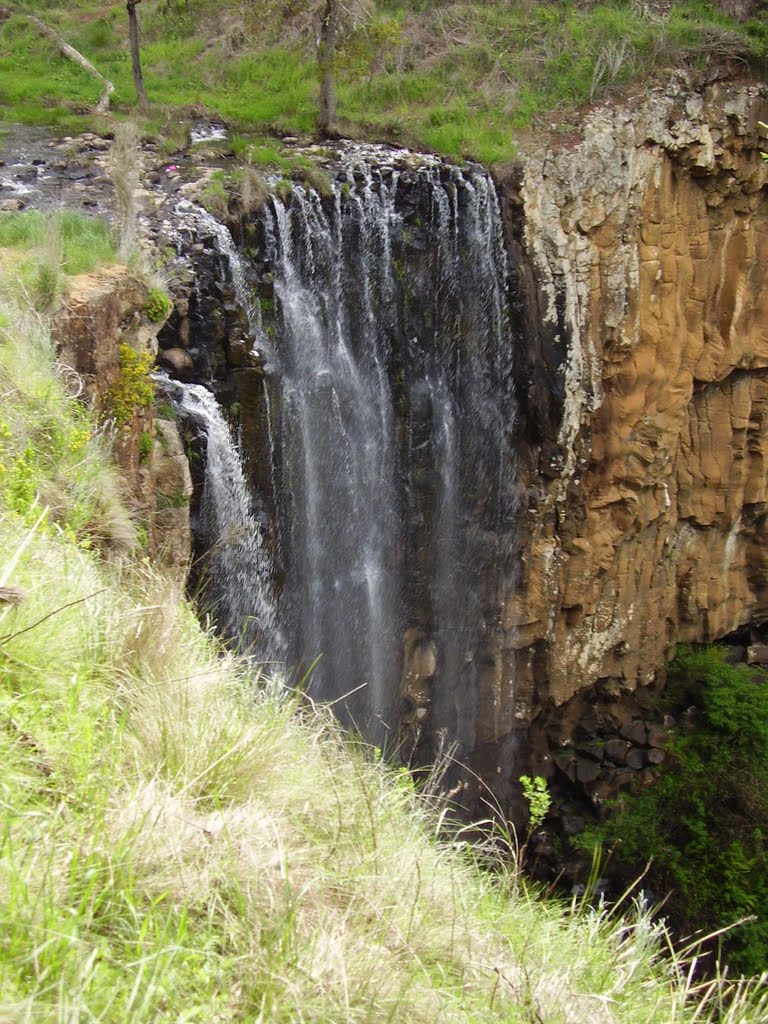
[648,241]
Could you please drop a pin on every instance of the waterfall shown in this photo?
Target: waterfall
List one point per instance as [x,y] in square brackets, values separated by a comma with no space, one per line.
[339,507]
[239,569]
[238,266]
[388,403]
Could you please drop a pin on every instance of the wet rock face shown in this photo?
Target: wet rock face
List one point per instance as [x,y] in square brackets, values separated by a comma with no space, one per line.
[647,242]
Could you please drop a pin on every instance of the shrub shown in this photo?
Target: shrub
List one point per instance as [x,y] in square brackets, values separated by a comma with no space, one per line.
[134,388]
[159,306]
[704,820]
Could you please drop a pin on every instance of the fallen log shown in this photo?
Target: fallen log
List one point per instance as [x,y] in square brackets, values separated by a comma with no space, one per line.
[69,51]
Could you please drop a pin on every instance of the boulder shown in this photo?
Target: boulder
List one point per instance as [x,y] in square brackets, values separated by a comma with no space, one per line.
[178,360]
[757,654]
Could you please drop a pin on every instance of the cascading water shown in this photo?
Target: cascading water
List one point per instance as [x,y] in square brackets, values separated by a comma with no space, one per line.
[200,219]
[340,515]
[239,569]
[388,402]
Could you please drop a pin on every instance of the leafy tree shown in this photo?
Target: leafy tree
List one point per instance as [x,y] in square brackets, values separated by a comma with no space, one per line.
[341,22]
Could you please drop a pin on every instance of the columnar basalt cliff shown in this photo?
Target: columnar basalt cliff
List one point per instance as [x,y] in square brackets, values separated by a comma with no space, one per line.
[646,244]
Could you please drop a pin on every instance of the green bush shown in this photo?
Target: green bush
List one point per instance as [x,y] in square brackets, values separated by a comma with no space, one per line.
[134,388]
[705,820]
[159,306]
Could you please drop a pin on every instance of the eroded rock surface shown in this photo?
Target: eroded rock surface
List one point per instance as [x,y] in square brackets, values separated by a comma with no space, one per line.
[646,240]
[100,313]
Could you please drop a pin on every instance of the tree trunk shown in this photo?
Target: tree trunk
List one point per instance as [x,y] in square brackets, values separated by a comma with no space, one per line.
[138,78]
[325,54]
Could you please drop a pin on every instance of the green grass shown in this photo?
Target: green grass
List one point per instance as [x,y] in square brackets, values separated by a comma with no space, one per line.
[86,242]
[463,78]
[180,841]
[55,248]
[51,455]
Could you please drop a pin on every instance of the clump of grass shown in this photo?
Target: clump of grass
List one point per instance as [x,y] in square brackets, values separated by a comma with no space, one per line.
[52,455]
[215,197]
[85,242]
[284,190]
[146,444]
[254,191]
[318,179]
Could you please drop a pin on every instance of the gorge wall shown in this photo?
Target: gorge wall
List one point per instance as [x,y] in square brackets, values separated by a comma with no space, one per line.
[634,515]
[644,239]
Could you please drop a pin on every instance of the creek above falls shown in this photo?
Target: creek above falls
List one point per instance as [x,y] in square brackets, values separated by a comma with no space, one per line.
[374,389]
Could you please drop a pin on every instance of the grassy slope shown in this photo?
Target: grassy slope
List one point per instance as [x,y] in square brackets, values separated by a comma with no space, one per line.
[461,77]
[178,843]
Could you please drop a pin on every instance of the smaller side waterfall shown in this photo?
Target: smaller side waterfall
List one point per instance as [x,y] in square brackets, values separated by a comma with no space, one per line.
[238,267]
[239,567]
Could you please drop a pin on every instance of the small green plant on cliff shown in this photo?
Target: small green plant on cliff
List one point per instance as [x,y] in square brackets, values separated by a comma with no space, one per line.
[538,798]
[703,822]
[134,388]
[146,444]
[165,502]
[159,306]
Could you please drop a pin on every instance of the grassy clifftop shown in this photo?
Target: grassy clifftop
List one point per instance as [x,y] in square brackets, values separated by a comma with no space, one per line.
[460,76]
[180,842]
